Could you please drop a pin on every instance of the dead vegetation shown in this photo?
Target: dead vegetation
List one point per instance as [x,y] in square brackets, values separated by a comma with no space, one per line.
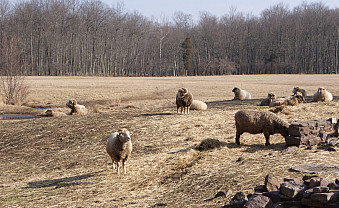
[62,162]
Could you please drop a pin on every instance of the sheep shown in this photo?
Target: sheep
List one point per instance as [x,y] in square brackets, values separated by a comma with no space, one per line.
[198,105]
[322,95]
[54,113]
[293,100]
[298,89]
[255,122]
[119,148]
[267,101]
[77,109]
[240,94]
[184,100]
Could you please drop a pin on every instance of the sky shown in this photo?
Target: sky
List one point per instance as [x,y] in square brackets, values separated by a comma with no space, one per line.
[166,8]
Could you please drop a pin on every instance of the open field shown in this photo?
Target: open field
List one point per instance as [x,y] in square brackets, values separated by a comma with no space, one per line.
[62,161]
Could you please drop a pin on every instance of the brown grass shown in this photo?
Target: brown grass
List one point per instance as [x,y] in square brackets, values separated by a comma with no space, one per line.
[62,162]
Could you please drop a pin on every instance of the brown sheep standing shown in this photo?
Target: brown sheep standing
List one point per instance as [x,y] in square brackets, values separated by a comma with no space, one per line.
[267,101]
[255,122]
[119,148]
[184,100]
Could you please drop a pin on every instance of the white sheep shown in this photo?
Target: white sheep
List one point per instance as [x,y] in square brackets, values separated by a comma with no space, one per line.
[119,148]
[240,94]
[184,100]
[322,95]
[198,105]
[77,109]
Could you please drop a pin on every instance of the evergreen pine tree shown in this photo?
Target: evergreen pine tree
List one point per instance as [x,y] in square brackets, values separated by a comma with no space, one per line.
[187,54]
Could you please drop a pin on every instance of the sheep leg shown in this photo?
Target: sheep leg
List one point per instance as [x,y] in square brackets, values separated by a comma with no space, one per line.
[267,137]
[118,168]
[124,166]
[114,163]
[237,138]
[188,110]
[177,109]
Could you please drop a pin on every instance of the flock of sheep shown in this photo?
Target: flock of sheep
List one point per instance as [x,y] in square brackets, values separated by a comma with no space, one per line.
[268,123]
[119,144]
[255,122]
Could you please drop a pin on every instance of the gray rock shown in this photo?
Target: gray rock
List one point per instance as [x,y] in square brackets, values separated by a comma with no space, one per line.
[238,200]
[291,189]
[333,186]
[259,201]
[321,189]
[271,183]
[322,197]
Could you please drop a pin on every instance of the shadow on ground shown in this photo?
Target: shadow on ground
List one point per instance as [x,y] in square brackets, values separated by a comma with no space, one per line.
[55,182]
[251,148]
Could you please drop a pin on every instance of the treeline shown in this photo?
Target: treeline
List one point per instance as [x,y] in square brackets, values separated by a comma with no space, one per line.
[79,37]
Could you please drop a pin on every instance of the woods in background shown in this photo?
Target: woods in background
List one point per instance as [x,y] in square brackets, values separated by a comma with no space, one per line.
[78,37]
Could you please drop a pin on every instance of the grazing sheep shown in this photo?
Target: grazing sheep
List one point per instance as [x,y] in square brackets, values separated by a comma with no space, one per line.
[198,105]
[184,100]
[256,122]
[119,148]
[298,89]
[77,109]
[240,94]
[293,100]
[267,101]
[54,113]
[322,95]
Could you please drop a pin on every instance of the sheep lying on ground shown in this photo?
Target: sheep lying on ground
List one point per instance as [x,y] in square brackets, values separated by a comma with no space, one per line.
[322,95]
[54,113]
[298,89]
[77,109]
[267,101]
[293,100]
[240,94]
[184,100]
[119,148]
[198,105]
[256,122]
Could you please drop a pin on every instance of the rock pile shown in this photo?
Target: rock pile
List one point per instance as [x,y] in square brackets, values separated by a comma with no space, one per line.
[310,133]
[312,191]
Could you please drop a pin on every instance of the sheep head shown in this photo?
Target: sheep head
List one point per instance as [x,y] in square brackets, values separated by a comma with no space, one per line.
[236,89]
[49,113]
[124,135]
[71,103]
[298,97]
[296,89]
[183,91]
[321,90]
[271,96]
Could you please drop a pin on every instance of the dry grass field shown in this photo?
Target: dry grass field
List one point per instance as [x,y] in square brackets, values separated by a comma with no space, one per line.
[62,161]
